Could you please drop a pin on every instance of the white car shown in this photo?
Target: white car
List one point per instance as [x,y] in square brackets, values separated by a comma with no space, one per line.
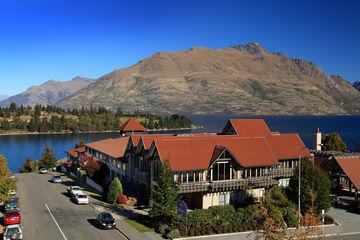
[81,198]
[13,232]
[73,190]
[56,179]
[12,192]
[42,171]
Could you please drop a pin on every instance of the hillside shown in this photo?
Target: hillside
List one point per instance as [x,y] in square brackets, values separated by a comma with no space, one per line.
[357,85]
[3,97]
[48,93]
[234,80]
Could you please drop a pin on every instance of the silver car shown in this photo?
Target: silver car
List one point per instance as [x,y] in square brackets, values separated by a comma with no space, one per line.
[56,179]
[13,232]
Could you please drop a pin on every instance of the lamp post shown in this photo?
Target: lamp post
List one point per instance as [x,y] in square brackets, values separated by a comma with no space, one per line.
[299,187]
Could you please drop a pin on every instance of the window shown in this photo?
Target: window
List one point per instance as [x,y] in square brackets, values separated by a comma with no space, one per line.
[221,171]
[222,199]
[197,176]
[191,177]
[290,164]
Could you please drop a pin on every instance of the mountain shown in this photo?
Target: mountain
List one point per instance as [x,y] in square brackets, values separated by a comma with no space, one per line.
[245,79]
[48,93]
[3,97]
[357,85]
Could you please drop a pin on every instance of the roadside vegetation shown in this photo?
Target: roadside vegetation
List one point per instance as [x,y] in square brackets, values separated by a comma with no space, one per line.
[46,161]
[6,182]
[49,119]
[333,142]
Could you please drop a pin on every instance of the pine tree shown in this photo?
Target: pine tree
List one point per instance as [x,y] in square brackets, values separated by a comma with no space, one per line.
[47,158]
[115,190]
[29,166]
[165,195]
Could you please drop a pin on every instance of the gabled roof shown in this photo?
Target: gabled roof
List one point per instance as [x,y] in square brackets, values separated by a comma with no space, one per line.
[75,152]
[287,146]
[351,167]
[113,147]
[131,125]
[197,153]
[249,127]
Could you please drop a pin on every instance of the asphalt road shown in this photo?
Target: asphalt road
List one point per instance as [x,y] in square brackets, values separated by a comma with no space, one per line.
[48,213]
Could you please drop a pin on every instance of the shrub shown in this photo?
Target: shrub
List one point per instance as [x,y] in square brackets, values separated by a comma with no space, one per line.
[328,219]
[223,214]
[191,232]
[175,233]
[200,218]
[197,232]
[182,231]
[115,189]
[209,230]
[122,199]
[162,229]
[291,218]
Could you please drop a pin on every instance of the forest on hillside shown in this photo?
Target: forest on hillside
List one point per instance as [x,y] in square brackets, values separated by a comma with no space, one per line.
[45,119]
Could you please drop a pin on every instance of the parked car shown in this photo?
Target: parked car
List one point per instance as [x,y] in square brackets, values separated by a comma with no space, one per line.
[12,217]
[42,171]
[56,179]
[13,232]
[81,198]
[12,192]
[106,220]
[72,190]
[12,204]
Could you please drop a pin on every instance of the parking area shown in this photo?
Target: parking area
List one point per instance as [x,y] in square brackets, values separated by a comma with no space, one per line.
[49,213]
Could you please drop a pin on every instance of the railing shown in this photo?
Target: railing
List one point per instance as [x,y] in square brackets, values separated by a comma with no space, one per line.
[227,185]
[282,172]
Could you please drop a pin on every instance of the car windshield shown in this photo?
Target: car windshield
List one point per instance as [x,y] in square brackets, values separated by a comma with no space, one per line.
[11,231]
[106,217]
[82,196]
[56,177]
[12,214]
[75,188]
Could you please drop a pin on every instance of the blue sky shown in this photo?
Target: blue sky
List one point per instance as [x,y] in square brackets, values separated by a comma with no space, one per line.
[59,39]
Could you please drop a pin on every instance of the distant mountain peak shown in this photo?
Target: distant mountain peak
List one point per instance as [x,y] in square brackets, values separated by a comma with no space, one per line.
[252,48]
[357,85]
[48,93]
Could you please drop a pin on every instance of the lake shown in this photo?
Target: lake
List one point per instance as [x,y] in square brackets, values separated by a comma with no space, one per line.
[17,148]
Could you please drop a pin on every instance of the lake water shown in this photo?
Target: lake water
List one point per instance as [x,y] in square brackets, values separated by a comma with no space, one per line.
[17,148]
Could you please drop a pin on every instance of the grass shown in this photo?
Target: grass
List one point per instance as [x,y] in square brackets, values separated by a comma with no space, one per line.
[138,226]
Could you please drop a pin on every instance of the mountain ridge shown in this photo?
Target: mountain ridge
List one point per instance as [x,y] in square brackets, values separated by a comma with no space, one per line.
[48,93]
[242,79]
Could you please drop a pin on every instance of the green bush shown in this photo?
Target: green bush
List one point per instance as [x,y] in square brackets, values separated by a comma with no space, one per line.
[191,232]
[200,218]
[175,233]
[223,214]
[291,218]
[115,190]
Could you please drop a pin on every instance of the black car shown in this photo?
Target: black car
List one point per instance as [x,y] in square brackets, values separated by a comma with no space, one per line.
[106,220]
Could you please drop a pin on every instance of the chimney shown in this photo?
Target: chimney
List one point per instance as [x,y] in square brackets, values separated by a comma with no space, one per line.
[317,140]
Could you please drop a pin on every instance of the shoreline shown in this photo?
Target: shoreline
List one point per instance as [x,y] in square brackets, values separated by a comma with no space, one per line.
[94,132]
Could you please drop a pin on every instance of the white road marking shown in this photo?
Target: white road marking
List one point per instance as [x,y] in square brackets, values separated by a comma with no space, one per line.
[62,233]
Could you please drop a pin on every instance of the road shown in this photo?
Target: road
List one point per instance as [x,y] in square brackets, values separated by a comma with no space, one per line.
[48,213]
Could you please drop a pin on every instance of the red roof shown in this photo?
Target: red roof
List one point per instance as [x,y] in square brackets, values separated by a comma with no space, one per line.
[75,152]
[131,125]
[250,127]
[196,153]
[351,167]
[287,146]
[113,147]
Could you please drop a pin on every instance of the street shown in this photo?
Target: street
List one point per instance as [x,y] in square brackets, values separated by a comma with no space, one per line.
[48,213]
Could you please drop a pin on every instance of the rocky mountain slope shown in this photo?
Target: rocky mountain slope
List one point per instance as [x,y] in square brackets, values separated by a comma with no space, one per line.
[48,93]
[244,79]
[3,97]
[357,85]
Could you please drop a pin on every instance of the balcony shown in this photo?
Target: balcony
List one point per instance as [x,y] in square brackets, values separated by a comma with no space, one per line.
[227,185]
[282,172]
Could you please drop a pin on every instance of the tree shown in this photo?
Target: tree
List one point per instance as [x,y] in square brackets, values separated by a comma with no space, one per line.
[6,183]
[315,187]
[165,195]
[48,159]
[115,190]
[80,143]
[29,166]
[333,142]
